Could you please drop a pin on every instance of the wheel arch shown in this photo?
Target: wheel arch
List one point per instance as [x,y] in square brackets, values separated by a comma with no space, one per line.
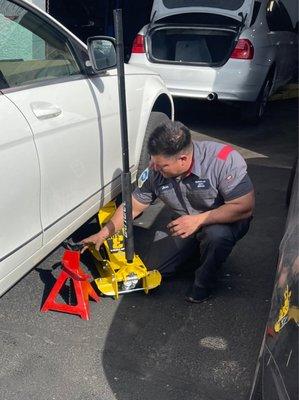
[156,98]
[163,104]
[272,75]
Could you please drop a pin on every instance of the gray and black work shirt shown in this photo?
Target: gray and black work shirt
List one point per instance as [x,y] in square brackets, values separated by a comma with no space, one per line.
[218,174]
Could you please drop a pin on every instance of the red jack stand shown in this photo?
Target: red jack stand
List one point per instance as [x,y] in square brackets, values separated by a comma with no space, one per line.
[83,289]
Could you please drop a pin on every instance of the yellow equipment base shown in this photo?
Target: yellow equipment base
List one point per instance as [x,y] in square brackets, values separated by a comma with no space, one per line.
[116,275]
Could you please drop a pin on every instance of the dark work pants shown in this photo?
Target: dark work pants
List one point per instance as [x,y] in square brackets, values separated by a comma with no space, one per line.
[212,245]
[215,244]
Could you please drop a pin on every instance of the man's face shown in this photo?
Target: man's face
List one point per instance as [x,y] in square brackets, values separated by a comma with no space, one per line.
[169,167]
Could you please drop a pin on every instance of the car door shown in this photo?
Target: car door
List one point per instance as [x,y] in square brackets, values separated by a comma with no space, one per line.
[289,43]
[47,83]
[109,106]
[282,40]
[273,21]
[105,92]
[21,231]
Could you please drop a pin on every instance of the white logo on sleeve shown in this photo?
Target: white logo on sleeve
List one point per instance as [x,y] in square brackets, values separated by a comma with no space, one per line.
[143,177]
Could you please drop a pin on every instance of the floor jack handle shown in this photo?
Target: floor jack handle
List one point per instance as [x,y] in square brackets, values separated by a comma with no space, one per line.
[126,174]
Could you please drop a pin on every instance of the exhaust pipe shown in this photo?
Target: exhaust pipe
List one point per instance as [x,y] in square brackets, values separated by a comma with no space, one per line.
[212,96]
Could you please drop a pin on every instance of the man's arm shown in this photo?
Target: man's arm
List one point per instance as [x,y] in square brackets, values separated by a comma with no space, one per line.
[113,225]
[231,211]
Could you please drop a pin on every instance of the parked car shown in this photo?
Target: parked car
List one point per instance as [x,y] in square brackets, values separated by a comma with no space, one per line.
[234,51]
[60,144]
[276,374]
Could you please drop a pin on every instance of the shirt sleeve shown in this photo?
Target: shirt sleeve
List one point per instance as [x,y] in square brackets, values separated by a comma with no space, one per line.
[144,192]
[244,187]
[234,181]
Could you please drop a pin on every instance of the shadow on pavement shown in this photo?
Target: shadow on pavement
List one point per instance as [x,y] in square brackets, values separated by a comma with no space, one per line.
[160,347]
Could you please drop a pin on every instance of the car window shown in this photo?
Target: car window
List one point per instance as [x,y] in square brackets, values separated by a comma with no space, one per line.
[30,49]
[256,9]
[286,19]
[277,17]
[226,4]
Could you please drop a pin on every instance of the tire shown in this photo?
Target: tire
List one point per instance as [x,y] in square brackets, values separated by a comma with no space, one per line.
[254,111]
[155,119]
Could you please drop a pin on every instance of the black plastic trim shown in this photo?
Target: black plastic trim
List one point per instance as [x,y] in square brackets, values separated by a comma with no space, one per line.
[19,247]
[91,54]
[45,82]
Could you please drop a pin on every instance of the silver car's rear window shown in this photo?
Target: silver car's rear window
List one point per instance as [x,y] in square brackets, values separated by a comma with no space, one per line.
[223,4]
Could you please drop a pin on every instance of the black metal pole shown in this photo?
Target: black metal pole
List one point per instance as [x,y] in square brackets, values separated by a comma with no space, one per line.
[126,174]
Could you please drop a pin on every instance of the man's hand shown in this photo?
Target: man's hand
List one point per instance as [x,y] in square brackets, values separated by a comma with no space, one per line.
[96,240]
[229,212]
[112,226]
[185,225]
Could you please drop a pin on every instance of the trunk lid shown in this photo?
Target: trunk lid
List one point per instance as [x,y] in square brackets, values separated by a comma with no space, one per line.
[240,10]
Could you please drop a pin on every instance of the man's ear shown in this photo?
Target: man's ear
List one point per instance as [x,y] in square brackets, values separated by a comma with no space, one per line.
[151,164]
[184,159]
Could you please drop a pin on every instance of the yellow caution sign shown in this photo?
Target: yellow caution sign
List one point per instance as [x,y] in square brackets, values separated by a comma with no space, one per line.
[287,312]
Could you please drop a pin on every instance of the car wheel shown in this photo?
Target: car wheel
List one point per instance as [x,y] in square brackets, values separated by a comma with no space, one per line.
[254,111]
[155,119]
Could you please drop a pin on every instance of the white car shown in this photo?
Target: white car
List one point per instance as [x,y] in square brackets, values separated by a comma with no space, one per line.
[60,143]
[233,51]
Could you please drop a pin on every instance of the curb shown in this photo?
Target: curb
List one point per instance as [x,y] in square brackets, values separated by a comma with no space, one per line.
[289,91]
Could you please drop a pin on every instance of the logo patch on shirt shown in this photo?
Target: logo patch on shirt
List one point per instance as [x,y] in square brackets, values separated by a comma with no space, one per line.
[143,177]
[201,184]
[166,186]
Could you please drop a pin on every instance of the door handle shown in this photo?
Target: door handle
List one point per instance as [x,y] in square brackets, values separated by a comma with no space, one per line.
[44,110]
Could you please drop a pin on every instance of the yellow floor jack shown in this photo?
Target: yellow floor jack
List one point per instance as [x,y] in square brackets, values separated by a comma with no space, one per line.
[117,276]
[120,269]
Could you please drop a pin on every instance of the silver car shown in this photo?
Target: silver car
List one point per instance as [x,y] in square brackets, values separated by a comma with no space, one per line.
[232,50]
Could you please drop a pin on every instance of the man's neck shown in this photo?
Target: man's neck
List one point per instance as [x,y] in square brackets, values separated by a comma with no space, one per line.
[189,169]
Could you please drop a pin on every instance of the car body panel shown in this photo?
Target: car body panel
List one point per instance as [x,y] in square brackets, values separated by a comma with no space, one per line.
[18,159]
[66,180]
[199,81]
[152,91]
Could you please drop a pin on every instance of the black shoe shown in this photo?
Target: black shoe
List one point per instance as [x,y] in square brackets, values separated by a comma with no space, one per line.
[198,294]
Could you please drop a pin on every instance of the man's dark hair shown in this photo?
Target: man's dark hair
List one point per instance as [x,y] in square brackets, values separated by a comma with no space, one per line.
[169,139]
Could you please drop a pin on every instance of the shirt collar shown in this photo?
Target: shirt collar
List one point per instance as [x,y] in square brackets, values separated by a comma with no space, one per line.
[195,165]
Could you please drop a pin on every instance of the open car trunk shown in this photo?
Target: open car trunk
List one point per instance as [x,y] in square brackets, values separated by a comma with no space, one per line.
[209,41]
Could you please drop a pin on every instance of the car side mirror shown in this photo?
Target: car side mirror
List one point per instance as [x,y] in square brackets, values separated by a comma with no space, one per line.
[102,53]
[296,29]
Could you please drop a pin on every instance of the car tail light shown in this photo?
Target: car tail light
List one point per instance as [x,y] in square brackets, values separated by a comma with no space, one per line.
[244,50]
[138,44]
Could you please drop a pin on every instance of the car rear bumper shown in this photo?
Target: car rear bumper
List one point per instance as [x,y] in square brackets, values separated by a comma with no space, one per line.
[237,80]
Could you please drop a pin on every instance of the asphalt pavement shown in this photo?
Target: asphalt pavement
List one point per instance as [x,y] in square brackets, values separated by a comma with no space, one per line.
[157,346]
